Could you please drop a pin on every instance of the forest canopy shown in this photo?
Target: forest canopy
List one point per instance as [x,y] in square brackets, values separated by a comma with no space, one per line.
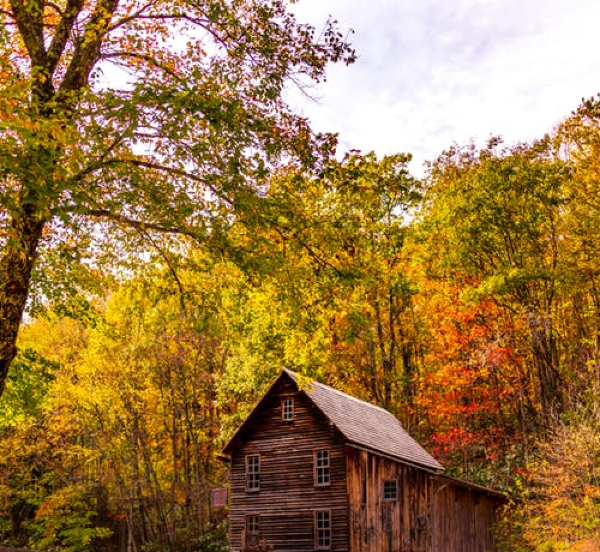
[172,234]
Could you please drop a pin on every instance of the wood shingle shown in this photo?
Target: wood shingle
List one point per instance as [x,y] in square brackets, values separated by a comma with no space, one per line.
[367,425]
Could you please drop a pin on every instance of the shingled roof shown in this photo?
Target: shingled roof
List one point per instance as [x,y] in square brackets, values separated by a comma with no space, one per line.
[361,423]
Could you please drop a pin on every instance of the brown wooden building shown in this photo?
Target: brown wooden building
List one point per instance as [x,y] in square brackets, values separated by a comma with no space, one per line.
[312,468]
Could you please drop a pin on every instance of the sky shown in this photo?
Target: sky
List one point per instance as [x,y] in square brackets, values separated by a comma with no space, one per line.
[431,73]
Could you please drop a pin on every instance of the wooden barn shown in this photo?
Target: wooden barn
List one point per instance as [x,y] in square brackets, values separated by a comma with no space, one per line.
[312,468]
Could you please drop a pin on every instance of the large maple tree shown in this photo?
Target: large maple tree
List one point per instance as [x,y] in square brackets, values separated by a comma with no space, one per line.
[131,121]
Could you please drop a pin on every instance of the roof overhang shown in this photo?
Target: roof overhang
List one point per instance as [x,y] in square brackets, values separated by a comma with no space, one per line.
[398,459]
[471,486]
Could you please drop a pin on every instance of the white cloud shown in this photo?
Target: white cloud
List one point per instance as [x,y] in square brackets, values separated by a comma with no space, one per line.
[431,72]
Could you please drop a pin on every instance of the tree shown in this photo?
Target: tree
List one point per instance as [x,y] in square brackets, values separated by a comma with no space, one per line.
[558,505]
[340,280]
[124,436]
[137,123]
[473,399]
[147,390]
[492,218]
[579,140]
[37,449]
[369,202]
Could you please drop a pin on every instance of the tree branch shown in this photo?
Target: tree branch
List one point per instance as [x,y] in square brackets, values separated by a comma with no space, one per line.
[29,21]
[178,172]
[132,17]
[144,57]
[63,31]
[87,49]
[170,266]
[202,23]
[55,7]
[140,225]
[307,247]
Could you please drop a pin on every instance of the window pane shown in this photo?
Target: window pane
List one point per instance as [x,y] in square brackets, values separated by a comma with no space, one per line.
[287,408]
[252,531]
[252,524]
[323,529]
[322,467]
[252,472]
[390,490]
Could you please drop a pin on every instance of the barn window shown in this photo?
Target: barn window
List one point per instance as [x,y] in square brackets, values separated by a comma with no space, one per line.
[287,409]
[390,490]
[322,467]
[323,529]
[252,531]
[253,472]
[252,525]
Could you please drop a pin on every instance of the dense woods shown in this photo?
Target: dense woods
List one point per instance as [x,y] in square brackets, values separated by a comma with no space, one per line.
[169,242]
[466,302]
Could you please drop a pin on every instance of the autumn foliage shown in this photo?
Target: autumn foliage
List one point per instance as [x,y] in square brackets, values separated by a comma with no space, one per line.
[173,234]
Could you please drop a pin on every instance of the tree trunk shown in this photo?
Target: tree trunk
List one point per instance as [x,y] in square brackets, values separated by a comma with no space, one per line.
[16,266]
[545,360]
[34,168]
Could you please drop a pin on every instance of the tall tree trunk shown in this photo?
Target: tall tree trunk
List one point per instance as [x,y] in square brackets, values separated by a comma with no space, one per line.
[37,164]
[16,266]
[545,359]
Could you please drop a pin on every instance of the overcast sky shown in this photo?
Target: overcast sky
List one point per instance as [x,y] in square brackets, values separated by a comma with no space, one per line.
[434,72]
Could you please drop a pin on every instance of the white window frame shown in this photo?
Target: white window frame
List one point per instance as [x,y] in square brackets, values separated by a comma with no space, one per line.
[253,472]
[287,409]
[322,463]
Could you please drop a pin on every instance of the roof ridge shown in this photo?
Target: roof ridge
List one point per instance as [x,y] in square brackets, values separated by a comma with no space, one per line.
[329,388]
[365,424]
[356,399]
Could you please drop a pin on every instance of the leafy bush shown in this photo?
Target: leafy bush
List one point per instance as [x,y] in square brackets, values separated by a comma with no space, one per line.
[558,504]
[65,522]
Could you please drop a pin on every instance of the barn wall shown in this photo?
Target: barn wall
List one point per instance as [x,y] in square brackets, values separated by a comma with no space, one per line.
[378,525]
[288,498]
[431,514]
[462,518]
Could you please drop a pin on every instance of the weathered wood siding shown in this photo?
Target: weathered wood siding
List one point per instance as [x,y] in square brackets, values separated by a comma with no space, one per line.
[378,525]
[431,514]
[462,518]
[287,497]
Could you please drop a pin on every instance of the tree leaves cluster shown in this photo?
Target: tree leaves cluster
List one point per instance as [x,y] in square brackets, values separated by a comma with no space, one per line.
[121,448]
[143,124]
